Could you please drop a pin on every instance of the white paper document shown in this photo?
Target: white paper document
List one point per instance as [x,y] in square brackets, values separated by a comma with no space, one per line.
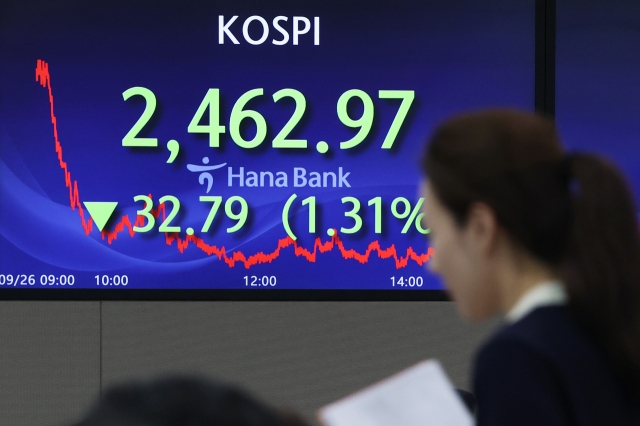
[421,395]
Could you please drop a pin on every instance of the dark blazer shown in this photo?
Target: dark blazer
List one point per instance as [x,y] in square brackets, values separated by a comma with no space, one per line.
[543,370]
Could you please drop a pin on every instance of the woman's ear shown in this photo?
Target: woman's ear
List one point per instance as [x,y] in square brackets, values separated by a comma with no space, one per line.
[482,228]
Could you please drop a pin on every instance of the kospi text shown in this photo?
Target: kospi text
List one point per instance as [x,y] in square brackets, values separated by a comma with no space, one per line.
[297,25]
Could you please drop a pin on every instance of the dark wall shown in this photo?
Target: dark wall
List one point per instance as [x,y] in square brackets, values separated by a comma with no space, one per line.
[55,356]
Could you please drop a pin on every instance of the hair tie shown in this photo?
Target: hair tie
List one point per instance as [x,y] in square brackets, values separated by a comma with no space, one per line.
[567,171]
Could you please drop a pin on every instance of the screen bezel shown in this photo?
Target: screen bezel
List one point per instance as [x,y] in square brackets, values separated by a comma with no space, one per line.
[544,103]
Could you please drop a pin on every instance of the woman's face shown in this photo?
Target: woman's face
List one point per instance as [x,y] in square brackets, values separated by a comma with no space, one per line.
[462,257]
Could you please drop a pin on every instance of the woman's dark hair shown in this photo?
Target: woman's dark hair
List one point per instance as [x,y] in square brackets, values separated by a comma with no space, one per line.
[574,212]
[183,401]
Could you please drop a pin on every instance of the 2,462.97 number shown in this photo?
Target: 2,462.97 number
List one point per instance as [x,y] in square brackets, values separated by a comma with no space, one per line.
[214,128]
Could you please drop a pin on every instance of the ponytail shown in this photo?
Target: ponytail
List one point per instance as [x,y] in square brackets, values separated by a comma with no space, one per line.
[602,272]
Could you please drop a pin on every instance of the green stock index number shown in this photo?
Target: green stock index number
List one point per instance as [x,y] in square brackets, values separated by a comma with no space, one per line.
[236,209]
[209,110]
[149,215]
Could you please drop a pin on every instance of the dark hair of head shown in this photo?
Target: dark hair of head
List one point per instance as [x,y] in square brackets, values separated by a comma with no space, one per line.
[573,212]
[183,401]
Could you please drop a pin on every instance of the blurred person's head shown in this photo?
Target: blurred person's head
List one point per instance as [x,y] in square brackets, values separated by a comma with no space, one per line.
[183,401]
[508,208]
[497,195]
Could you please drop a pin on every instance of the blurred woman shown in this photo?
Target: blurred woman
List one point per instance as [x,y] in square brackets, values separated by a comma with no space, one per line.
[549,239]
[183,401]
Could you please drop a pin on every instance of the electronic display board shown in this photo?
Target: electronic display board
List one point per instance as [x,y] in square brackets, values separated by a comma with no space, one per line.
[598,94]
[247,146]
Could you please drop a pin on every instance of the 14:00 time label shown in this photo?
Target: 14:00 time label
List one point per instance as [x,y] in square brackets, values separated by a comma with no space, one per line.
[407,281]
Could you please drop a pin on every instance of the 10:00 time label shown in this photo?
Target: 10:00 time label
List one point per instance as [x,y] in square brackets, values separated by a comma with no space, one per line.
[112,280]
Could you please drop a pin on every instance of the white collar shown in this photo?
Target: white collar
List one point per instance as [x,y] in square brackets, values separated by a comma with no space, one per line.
[545,293]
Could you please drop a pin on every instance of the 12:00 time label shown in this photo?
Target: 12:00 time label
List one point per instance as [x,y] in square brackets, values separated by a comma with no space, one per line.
[257,281]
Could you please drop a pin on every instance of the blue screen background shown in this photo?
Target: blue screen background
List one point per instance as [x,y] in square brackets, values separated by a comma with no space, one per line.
[455,55]
[598,89]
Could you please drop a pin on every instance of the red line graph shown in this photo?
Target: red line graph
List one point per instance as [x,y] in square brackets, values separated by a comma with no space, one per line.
[125,224]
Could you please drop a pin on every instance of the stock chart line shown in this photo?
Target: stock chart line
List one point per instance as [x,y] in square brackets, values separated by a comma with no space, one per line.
[44,78]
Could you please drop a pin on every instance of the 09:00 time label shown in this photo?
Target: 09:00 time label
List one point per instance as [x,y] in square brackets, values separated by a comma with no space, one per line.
[15,280]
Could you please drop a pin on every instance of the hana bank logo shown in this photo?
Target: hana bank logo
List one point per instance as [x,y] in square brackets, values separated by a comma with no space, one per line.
[204,170]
